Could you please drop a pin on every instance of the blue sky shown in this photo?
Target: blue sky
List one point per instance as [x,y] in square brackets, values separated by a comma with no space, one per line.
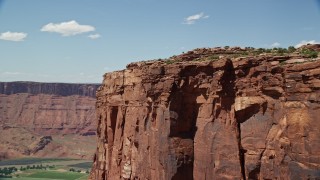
[80,40]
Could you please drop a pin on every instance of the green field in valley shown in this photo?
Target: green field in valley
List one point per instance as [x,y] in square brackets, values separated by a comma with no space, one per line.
[55,175]
[49,175]
[26,161]
[46,169]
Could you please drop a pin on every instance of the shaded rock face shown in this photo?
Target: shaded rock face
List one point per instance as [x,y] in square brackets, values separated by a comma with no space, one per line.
[246,118]
[42,143]
[42,113]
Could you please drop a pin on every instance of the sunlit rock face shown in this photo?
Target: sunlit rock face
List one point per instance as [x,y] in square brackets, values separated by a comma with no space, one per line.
[34,117]
[255,117]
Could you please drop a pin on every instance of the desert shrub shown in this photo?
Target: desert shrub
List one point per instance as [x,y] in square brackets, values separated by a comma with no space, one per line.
[213,57]
[309,53]
[169,61]
[244,53]
[291,49]
[268,50]
[281,51]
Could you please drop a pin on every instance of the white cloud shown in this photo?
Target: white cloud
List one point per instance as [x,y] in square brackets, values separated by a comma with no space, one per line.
[192,19]
[70,28]
[305,43]
[13,36]
[94,36]
[276,44]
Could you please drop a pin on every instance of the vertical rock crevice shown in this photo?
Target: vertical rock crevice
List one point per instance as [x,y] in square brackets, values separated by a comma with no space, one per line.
[184,110]
[228,91]
[228,96]
[183,116]
[111,132]
[241,153]
[113,120]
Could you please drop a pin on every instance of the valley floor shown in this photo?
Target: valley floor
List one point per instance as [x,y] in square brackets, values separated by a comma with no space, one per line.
[45,169]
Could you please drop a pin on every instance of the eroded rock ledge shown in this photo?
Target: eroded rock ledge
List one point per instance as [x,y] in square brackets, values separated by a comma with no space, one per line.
[241,118]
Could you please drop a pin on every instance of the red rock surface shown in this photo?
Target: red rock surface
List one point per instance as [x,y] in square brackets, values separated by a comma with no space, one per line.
[60,89]
[35,118]
[255,117]
[48,114]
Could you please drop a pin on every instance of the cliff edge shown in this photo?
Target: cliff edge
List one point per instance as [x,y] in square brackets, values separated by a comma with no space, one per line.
[212,113]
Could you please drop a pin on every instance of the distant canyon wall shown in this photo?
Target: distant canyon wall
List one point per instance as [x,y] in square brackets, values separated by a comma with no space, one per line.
[33,113]
[48,107]
[59,89]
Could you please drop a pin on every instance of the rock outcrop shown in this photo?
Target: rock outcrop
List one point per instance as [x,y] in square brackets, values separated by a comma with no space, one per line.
[251,117]
[35,118]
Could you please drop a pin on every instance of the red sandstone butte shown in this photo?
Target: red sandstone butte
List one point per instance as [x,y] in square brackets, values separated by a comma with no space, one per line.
[252,117]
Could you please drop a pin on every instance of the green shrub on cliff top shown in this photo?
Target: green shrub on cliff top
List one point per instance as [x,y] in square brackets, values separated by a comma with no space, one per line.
[309,53]
[291,49]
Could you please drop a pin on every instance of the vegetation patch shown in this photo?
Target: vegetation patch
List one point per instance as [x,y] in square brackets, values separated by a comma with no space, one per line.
[309,53]
[26,161]
[213,57]
[53,168]
[5,172]
[56,175]
[84,165]
[169,61]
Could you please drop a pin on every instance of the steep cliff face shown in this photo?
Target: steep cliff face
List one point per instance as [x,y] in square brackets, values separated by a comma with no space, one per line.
[254,117]
[36,118]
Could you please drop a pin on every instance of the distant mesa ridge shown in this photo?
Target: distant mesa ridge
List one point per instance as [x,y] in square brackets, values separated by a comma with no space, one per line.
[61,89]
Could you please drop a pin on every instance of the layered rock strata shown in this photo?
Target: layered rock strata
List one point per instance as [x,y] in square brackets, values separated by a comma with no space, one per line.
[48,114]
[59,89]
[253,117]
[34,116]
[48,107]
